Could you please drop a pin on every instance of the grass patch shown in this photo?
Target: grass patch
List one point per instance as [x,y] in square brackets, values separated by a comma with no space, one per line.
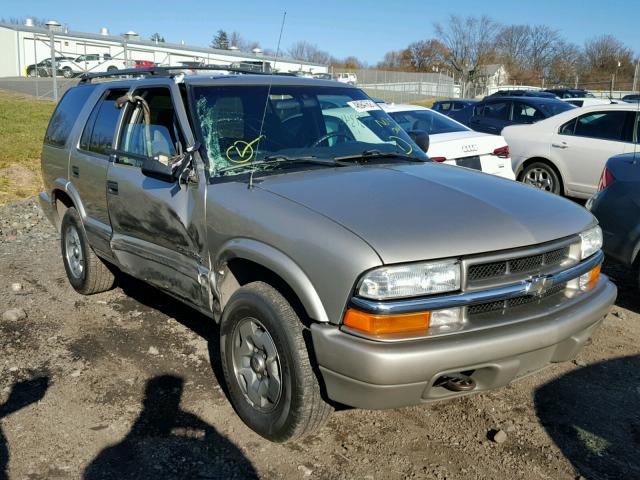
[428,102]
[23,121]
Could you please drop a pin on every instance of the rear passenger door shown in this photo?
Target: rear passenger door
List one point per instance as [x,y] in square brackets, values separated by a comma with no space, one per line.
[493,118]
[158,225]
[585,144]
[88,164]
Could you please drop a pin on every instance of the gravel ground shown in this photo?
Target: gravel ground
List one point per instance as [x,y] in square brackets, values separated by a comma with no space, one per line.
[125,384]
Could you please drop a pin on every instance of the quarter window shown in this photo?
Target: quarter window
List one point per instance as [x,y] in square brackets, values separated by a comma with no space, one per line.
[65,115]
[523,113]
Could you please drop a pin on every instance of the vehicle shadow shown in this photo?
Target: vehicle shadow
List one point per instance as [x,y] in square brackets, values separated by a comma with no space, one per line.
[626,279]
[166,442]
[593,416]
[22,395]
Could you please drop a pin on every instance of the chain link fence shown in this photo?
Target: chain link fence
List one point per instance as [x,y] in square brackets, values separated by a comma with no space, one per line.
[403,87]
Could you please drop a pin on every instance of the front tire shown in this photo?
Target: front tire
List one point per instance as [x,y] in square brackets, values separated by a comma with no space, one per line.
[266,365]
[67,72]
[543,176]
[86,272]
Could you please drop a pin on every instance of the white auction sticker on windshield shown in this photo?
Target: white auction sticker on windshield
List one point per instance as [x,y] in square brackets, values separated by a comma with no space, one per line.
[363,105]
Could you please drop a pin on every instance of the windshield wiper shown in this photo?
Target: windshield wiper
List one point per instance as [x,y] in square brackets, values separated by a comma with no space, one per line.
[369,154]
[278,159]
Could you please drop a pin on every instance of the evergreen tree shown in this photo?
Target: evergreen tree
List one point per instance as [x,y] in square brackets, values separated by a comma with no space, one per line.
[221,40]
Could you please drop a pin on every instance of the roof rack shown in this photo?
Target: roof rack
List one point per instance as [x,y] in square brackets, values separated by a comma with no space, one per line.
[167,72]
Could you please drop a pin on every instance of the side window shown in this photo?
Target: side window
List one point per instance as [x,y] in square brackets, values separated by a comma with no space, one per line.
[65,116]
[606,125]
[636,135]
[156,135]
[444,106]
[497,110]
[523,113]
[477,110]
[568,128]
[100,129]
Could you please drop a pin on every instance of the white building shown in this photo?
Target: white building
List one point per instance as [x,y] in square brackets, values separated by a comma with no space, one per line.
[492,76]
[23,45]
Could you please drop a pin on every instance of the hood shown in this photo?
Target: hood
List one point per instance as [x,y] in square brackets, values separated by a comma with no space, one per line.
[418,212]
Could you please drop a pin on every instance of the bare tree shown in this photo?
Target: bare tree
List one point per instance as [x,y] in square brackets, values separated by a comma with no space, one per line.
[469,42]
[605,56]
[309,52]
[425,54]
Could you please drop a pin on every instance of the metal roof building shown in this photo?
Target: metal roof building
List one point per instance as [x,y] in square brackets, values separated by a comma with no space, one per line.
[23,45]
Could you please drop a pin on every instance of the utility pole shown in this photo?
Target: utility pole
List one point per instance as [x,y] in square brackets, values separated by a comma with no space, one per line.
[635,76]
[54,69]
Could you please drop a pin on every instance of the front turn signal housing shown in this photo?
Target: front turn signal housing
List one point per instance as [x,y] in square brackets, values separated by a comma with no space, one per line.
[589,280]
[376,325]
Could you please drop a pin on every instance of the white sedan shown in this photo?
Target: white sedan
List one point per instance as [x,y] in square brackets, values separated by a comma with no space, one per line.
[453,143]
[565,154]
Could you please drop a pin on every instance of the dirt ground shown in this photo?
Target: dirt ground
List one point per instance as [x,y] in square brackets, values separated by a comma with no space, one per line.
[125,385]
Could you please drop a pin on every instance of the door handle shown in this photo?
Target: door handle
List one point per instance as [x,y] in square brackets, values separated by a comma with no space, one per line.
[560,145]
[112,187]
[75,171]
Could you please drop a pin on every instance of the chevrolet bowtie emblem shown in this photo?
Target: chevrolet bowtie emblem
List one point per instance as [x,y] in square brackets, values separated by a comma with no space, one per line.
[538,286]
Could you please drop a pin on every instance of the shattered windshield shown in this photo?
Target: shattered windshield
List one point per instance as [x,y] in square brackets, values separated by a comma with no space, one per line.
[243,128]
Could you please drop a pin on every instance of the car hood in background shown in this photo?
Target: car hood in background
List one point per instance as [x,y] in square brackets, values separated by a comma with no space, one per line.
[411,212]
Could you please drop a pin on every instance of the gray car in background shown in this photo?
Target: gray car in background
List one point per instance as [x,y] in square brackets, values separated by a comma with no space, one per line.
[617,207]
[342,265]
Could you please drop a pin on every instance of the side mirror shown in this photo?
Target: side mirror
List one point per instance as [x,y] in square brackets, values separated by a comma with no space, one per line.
[155,169]
[421,138]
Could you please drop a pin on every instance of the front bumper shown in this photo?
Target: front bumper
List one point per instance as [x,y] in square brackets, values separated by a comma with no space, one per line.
[375,375]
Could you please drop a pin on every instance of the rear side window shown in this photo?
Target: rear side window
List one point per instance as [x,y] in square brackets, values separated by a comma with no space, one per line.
[100,129]
[497,110]
[605,125]
[65,115]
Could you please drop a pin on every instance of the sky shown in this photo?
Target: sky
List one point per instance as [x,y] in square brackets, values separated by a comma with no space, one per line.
[365,29]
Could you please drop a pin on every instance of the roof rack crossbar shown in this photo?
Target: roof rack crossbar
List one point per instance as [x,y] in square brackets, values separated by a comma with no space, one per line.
[167,72]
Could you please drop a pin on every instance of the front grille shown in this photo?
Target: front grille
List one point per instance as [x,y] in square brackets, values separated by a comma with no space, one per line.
[529,265]
[501,305]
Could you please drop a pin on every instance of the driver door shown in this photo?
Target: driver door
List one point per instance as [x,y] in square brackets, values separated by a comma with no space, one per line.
[158,224]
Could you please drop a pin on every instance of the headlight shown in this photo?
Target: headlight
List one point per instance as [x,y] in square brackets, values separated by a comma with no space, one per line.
[411,280]
[591,242]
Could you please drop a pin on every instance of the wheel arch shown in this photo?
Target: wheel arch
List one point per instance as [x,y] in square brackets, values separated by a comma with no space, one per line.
[242,261]
[551,163]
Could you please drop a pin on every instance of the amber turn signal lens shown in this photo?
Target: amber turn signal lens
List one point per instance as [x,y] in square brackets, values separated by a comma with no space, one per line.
[594,275]
[387,324]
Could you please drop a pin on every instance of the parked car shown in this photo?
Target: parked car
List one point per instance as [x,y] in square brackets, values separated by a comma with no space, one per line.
[92,63]
[322,76]
[447,107]
[341,264]
[452,143]
[347,77]
[43,68]
[631,98]
[143,64]
[565,154]
[587,101]
[616,205]
[522,93]
[570,93]
[492,114]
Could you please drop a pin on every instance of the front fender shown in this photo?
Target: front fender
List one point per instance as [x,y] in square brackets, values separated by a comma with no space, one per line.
[281,264]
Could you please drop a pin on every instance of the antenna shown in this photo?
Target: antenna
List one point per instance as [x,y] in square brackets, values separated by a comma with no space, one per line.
[266,100]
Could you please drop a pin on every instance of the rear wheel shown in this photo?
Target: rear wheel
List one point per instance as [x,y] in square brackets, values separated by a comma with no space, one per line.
[86,272]
[112,68]
[266,365]
[543,176]
[67,72]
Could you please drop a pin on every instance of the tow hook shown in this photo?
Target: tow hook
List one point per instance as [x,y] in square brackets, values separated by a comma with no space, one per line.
[457,382]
